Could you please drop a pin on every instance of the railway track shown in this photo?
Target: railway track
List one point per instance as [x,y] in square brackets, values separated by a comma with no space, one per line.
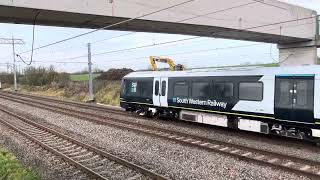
[72,103]
[285,162]
[94,163]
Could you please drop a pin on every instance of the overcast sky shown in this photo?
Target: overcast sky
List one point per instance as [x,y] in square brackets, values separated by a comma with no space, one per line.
[136,59]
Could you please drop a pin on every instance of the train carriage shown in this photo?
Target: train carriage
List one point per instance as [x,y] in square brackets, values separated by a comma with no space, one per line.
[279,100]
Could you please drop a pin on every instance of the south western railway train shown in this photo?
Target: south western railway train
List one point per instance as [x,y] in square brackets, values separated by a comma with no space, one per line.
[279,100]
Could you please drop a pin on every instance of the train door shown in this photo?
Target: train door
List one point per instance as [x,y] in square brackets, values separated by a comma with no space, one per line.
[160,92]
[294,98]
[164,92]
[156,92]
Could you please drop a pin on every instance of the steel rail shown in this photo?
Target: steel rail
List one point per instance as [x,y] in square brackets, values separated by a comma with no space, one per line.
[68,102]
[289,163]
[114,158]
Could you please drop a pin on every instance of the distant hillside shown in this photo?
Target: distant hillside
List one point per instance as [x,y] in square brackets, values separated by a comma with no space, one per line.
[114,74]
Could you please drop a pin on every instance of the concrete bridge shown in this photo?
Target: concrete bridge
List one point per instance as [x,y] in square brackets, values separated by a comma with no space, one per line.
[293,28]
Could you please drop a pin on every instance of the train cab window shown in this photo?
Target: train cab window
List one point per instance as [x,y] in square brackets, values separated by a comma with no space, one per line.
[251,91]
[132,88]
[123,87]
[200,89]
[156,88]
[181,89]
[223,89]
[163,88]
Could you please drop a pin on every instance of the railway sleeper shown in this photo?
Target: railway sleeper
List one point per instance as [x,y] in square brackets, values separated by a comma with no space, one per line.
[74,149]
[77,153]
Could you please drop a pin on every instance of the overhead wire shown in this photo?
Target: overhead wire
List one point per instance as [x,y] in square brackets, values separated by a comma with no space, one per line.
[196,16]
[238,56]
[114,37]
[33,36]
[130,49]
[192,52]
[272,5]
[109,26]
[125,21]
[62,62]
[168,42]
[163,43]
[203,15]
[33,49]
[218,11]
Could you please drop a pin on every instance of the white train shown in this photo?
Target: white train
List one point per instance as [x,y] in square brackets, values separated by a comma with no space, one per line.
[279,100]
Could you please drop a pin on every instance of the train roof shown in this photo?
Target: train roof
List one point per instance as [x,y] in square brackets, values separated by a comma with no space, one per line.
[234,71]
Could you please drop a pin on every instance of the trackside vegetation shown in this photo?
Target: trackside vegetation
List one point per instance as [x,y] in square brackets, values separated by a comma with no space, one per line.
[82,77]
[11,169]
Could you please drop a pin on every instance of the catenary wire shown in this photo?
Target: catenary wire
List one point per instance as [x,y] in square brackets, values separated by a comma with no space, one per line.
[272,5]
[168,42]
[200,37]
[33,36]
[109,26]
[196,16]
[152,45]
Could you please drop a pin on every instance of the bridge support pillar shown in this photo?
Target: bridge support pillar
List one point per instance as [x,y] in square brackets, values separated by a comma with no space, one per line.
[298,54]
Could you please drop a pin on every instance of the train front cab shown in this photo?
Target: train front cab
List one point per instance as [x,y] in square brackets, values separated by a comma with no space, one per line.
[296,101]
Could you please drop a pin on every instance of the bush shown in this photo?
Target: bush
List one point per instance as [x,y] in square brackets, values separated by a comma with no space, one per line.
[42,76]
[114,74]
[63,80]
[6,78]
[11,169]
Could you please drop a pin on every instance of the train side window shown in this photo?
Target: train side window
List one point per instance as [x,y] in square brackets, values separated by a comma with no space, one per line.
[200,89]
[181,89]
[163,88]
[223,89]
[156,88]
[146,89]
[251,91]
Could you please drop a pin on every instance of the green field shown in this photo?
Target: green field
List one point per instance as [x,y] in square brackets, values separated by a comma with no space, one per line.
[11,169]
[82,77]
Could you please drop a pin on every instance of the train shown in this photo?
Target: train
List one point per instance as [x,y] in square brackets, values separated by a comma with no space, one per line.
[283,101]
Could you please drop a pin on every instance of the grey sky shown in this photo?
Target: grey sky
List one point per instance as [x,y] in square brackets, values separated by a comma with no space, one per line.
[137,59]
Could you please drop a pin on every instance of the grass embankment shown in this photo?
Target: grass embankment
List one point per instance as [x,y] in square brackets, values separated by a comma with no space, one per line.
[107,94]
[11,169]
[82,77]
[110,94]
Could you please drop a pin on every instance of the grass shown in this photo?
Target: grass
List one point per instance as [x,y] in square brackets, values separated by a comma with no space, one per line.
[82,77]
[11,169]
[110,94]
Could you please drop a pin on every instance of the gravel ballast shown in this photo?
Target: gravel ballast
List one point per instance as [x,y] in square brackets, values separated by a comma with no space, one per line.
[166,157]
[255,140]
[46,165]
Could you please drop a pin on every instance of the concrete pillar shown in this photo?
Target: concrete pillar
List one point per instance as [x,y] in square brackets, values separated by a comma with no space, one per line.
[298,54]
